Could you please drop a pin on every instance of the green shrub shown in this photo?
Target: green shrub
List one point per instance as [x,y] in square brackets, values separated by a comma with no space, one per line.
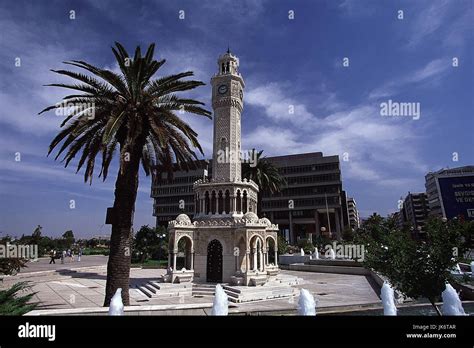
[96,251]
[307,246]
[282,245]
[11,303]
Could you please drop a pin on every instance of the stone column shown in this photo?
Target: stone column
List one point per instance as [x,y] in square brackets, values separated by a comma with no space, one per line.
[174,260]
[247,261]
[261,260]
[192,260]
[276,256]
[254,258]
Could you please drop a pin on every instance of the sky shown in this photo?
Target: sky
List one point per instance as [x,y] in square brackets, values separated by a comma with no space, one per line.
[293,55]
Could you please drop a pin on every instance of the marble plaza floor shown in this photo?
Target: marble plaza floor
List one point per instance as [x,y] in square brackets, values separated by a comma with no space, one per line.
[83,286]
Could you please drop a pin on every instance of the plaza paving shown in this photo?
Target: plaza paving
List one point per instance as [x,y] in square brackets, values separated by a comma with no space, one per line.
[82,285]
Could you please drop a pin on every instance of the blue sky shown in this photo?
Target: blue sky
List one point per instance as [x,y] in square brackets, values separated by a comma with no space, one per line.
[284,62]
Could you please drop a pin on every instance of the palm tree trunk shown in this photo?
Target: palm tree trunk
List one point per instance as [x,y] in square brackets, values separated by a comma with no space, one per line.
[118,266]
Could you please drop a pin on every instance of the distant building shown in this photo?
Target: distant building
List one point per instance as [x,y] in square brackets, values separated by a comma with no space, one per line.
[353,213]
[450,192]
[415,212]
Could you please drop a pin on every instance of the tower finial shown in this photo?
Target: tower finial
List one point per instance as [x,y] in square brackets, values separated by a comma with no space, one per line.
[228,49]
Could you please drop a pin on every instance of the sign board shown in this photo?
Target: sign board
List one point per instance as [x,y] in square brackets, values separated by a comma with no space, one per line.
[457,194]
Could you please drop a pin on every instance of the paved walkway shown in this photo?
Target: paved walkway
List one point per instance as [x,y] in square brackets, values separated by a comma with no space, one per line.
[43,263]
[73,287]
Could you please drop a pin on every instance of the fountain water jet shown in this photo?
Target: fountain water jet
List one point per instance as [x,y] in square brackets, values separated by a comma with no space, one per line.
[388,300]
[301,252]
[332,254]
[221,302]
[306,303]
[315,254]
[116,304]
[472,269]
[451,303]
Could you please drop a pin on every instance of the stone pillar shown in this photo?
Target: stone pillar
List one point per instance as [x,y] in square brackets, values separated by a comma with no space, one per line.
[254,258]
[174,260]
[247,261]
[276,256]
[192,260]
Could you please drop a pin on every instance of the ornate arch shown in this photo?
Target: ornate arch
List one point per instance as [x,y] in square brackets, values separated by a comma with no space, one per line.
[179,236]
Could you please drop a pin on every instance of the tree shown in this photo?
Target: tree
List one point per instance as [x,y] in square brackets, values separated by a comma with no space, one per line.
[415,268]
[147,243]
[36,236]
[68,238]
[138,115]
[68,234]
[265,174]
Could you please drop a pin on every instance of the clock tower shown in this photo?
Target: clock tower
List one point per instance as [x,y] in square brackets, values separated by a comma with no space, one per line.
[227,241]
[227,102]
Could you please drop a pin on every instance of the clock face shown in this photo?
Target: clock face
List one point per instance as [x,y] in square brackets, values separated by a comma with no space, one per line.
[222,89]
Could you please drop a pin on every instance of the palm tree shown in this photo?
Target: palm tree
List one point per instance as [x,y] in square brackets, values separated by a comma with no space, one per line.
[265,175]
[136,114]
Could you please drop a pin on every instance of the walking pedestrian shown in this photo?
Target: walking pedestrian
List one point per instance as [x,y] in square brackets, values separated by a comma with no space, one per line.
[52,255]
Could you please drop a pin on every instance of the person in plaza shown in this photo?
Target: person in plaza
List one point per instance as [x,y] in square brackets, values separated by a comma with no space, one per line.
[79,254]
[52,255]
[71,255]
[63,256]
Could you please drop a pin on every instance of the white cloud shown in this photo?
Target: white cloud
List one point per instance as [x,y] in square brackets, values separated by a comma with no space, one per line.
[428,21]
[278,106]
[428,73]
[377,146]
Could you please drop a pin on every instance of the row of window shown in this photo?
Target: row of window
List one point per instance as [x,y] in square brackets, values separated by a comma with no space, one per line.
[300,203]
[303,191]
[313,179]
[178,180]
[308,168]
[171,190]
[173,209]
[175,200]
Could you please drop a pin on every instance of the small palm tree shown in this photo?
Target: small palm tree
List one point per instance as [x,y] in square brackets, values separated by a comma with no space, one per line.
[136,115]
[265,174]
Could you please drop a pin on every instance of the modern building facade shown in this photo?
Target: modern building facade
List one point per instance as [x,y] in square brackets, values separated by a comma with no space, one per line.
[353,213]
[450,192]
[312,199]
